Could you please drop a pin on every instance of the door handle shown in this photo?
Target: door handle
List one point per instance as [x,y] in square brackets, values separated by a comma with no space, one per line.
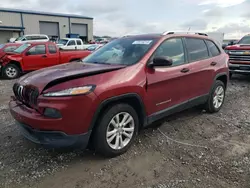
[184,70]
[213,63]
[44,56]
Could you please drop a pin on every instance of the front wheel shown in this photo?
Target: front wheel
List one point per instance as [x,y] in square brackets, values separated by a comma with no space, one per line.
[216,97]
[11,71]
[117,130]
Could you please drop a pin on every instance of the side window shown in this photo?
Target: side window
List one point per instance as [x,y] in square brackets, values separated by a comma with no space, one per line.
[10,48]
[72,43]
[214,50]
[79,42]
[37,50]
[173,49]
[197,49]
[52,49]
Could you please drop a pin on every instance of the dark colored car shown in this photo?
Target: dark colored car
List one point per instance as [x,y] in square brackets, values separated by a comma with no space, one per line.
[239,56]
[119,89]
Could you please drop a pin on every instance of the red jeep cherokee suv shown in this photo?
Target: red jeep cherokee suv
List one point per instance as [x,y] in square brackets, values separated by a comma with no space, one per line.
[124,86]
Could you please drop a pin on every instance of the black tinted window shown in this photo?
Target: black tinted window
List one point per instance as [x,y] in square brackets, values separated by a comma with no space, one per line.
[38,49]
[197,49]
[214,50]
[52,49]
[173,49]
[72,43]
[79,42]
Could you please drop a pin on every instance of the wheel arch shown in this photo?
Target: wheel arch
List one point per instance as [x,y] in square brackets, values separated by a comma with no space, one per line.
[222,77]
[132,99]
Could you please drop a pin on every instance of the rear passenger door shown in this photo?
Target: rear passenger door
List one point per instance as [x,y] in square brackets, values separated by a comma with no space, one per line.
[201,70]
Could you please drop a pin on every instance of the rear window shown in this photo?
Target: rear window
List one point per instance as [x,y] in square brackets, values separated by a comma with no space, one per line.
[197,49]
[52,49]
[214,50]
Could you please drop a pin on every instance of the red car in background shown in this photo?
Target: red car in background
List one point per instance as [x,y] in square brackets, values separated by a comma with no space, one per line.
[8,47]
[36,55]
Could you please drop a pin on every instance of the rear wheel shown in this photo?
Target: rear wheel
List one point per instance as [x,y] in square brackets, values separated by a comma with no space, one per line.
[117,130]
[216,97]
[11,71]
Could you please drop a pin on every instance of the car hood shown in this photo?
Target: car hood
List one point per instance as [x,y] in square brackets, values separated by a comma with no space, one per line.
[238,47]
[48,77]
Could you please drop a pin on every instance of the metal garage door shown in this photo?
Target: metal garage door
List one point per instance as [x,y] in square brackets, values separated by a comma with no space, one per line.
[5,36]
[49,28]
[80,29]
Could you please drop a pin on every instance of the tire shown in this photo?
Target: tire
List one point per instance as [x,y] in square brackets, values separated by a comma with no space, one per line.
[211,106]
[11,71]
[100,140]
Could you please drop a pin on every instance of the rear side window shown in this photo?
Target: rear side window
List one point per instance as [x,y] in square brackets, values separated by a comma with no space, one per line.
[52,49]
[72,43]
[79,42]
[197,49]
[214,50]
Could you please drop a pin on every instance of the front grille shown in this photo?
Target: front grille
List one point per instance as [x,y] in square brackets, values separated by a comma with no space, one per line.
[239,55]
[26,94]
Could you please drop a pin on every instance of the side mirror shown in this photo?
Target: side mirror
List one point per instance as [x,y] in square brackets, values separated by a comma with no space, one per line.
[28,53]
[161,62]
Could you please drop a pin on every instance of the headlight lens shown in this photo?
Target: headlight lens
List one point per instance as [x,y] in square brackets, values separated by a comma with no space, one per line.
[71,91]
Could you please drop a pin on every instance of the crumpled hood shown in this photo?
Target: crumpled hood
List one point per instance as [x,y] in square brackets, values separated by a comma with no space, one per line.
[60,73]
[238,47]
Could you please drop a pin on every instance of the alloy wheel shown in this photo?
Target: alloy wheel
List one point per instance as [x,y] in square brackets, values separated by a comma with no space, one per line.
[120,131]
[219,95]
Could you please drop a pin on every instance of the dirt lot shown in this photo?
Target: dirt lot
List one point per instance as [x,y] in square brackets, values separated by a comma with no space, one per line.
[190,149]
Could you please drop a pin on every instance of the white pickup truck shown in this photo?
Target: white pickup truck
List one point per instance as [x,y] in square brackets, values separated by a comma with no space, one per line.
[72,44]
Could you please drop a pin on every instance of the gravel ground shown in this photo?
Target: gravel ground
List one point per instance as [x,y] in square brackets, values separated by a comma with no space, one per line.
[190,149]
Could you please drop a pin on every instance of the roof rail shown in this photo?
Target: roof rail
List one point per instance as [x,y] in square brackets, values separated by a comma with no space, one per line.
[183,32]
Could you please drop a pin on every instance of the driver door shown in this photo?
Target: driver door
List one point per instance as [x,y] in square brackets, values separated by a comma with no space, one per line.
[35,58]
[168,86]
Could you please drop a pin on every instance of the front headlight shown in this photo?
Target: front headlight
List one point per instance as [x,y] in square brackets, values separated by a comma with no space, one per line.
[71,91]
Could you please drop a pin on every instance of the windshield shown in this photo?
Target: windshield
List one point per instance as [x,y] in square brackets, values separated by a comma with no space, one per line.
[1,46]
[125,51]
[62,41]
[20,49]
[245,40]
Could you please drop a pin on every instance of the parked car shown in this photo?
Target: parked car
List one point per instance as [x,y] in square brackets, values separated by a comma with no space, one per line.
[32,38]
[106,101]
[34,56]
[72,44]
[8,47]
[94,47]
[239,56]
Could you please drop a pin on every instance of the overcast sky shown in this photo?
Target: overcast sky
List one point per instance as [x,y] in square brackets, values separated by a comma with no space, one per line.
[119,17]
